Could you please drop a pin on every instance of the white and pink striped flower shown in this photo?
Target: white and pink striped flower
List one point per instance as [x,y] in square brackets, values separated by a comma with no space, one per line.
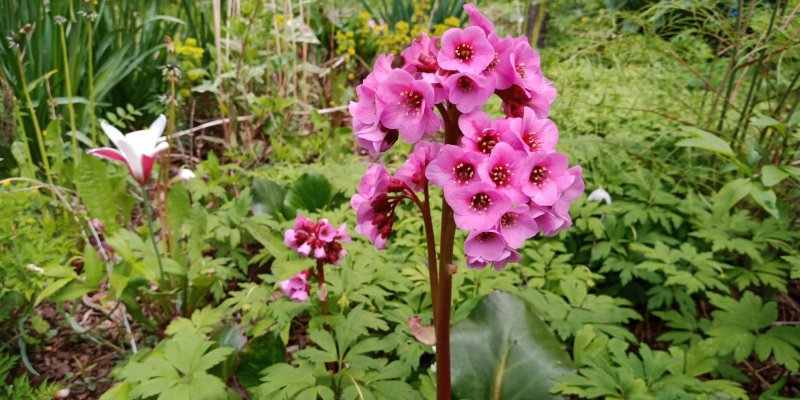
[137,150]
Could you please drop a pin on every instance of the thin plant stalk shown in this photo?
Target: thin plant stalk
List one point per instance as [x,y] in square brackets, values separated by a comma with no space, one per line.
[537,27]
[149,216]
[24,137]
[748,107]
[32,113]
[321,284]
[92,115]
[163,174]
[68,83]
[731,72]
[6,90]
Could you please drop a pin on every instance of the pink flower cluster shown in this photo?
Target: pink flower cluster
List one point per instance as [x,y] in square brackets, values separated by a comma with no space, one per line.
[319,240]
[505,181]
[297,288]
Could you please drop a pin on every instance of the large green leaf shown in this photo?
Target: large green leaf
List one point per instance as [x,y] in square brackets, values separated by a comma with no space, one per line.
[311,192]
[707,141]
[260,353]
[503,350]
[268,198]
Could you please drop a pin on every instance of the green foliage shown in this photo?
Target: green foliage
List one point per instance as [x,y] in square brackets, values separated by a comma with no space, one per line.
[125,36]
[739,328]
[20,388]
[176,369]
[607,369]
[680,287]
[310,192]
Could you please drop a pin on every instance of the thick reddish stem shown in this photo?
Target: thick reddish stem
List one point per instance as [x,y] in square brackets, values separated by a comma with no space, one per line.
[447,237]
[425,209]
[321,285]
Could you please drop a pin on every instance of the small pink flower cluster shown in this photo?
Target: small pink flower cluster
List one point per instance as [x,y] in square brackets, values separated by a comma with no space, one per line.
[297,288]
[319,240]
[379,192]
[505,181]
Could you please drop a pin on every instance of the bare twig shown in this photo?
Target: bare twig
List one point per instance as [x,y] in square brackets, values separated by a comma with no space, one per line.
[211,124]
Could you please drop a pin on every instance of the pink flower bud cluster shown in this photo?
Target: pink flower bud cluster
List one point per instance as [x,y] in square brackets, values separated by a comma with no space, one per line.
[297,287]
[319,240]
[505,181]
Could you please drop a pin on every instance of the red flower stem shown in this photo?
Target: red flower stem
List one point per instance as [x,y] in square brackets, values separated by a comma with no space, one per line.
[321,283]
[425,209]
[447,238]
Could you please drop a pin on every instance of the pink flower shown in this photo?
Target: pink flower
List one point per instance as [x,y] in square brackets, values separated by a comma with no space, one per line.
[539,97]
[518,225]
[302,236]
[454,167]
[375,206]
[413,171]
[371,135]
[473,123]
[297,287]
[375,181]
[325,231]
[543,177]
[479,262]
[483,247]
[481,133]
[548,221]
[468,91]
[465,50]
[534,134]
[500,170]
[375,219]
[501,48]
[380,70]
[478,205]
[408,106]
[477,19]
[318,239]
[137,150]
[483,142]
[557,217]
[542,93]
[420,56]
[522,66]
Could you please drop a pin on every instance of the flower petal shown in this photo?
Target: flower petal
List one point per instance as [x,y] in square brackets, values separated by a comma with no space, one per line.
[112,132]
[108,153]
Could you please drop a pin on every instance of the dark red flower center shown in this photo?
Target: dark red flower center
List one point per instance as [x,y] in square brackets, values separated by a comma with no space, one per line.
[501,174]
[480,202]
[487,140]
[532,140]
[485,236]
[391,137]
[538,175]
[463,172]
[521,70]
[412,100]
[509,219]
[495,61]
[464,52]
[465,84]
[427,63]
